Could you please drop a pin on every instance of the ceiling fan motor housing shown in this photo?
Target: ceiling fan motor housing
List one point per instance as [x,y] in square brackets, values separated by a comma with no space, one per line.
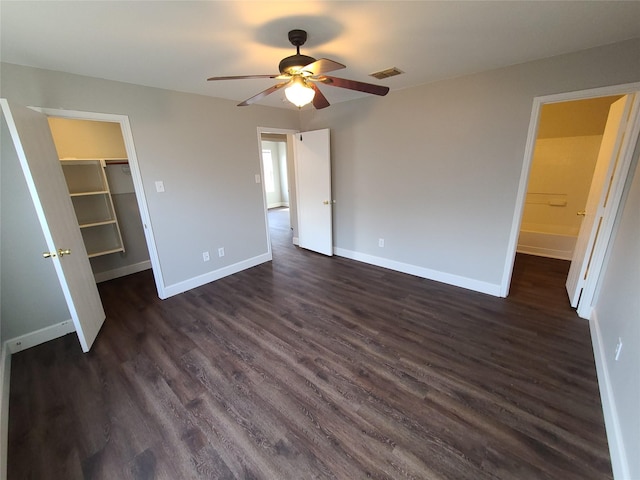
[294,63]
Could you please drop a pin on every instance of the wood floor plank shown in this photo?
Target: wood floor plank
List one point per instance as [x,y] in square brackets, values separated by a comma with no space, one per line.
[311,367]
[270,351]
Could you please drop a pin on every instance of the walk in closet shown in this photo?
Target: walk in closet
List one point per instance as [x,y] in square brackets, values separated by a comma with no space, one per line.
[95,165]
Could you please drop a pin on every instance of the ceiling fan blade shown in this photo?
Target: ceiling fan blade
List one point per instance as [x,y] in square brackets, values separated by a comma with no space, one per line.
[262,94]
[241,77]
[354,85]
[319,100]
[322,66]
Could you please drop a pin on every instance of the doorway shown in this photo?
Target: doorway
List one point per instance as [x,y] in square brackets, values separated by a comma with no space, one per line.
[566,149]
[107,210]
[275,174]
[128,181]
[537,200]
[309,179]
[278,178]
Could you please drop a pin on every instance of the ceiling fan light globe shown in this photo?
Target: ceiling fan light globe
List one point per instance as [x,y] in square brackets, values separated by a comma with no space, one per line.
[299,93]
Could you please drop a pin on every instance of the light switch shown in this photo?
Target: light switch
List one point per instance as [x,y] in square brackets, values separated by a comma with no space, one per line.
[159,186]
[257,178]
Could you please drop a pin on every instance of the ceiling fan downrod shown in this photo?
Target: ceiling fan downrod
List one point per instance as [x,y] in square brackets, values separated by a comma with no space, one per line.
[293,64]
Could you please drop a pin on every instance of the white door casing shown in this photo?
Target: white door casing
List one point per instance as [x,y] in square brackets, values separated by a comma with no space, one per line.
[605,170]
[48,189]
[313,181]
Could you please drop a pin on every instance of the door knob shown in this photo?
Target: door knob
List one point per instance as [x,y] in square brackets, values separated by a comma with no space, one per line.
[326,202]
[62,252]
[581,213]
[48,254]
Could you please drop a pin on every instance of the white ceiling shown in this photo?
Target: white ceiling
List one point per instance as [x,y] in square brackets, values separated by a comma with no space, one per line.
[178,44]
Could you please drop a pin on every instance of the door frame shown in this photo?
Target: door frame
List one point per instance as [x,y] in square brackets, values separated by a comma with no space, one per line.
[627,150]
[138,186]
[291,178]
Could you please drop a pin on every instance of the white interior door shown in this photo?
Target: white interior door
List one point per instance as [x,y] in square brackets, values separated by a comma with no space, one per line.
[603,176]
[313,183]
[45,180]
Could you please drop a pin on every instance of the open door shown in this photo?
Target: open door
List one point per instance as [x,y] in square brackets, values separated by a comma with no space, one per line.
[45,180]
[313,184]
[594,215]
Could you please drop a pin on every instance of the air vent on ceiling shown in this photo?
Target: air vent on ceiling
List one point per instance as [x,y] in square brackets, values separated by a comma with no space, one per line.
[389,72]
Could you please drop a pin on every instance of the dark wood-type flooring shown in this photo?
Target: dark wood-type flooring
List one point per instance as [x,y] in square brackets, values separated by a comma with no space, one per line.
[313,368]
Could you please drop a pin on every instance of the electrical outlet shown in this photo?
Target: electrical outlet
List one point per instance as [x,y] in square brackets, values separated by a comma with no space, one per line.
[205,256]
[159,186]
[618,348]
[381,242]
[221,252]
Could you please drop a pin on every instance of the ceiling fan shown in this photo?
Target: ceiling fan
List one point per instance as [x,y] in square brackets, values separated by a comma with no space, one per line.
[301,73]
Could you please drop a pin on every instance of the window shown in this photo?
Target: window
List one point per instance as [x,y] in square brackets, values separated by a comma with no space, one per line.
[269,180]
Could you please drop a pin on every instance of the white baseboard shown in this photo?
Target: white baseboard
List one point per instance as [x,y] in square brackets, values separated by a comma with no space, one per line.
[545,252]
[449,279]
[32,339]
[122,271]
[5,374]
[200,280]
[617,450]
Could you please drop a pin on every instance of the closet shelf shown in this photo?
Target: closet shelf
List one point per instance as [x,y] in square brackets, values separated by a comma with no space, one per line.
[104,252]
[91,197]
[97,224]
[92,192]
[93,159]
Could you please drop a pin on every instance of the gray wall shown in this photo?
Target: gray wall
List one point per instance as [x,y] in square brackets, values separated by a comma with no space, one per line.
[617,314]
[204,149]
[31,295]
[434,170]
